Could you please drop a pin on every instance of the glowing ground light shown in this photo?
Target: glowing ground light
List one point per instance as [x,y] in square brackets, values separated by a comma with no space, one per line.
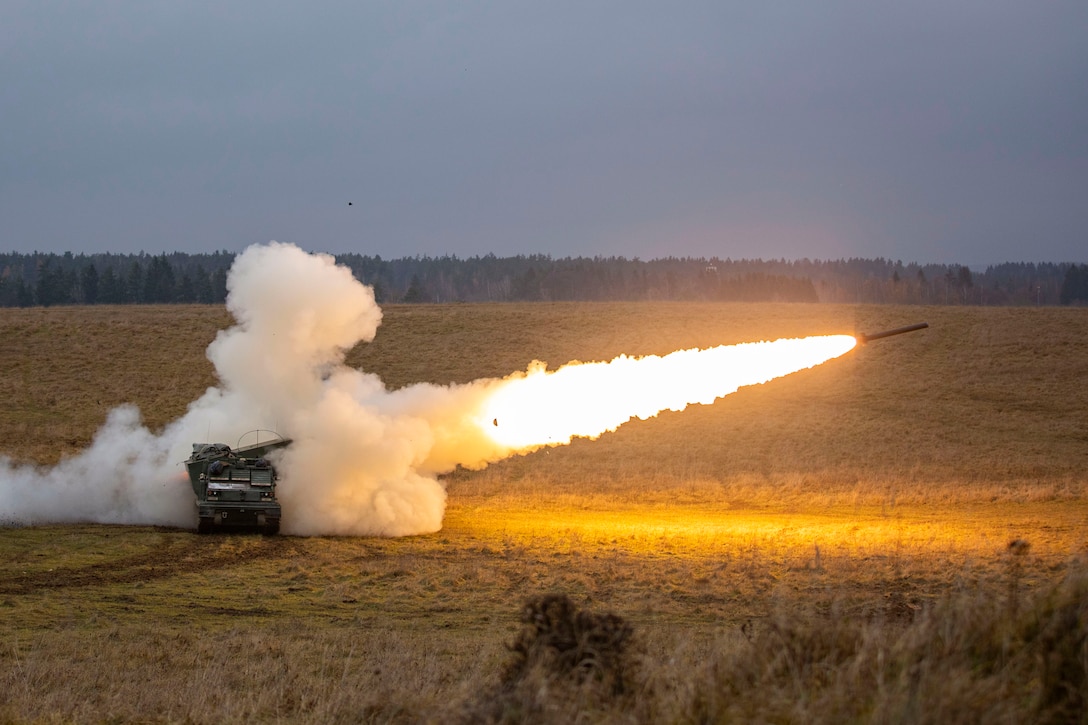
[588,399]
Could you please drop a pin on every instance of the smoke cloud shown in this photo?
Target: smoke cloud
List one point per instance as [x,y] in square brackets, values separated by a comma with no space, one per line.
[365,460]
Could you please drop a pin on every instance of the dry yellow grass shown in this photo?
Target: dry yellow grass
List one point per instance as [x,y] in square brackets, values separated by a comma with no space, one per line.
[852,507]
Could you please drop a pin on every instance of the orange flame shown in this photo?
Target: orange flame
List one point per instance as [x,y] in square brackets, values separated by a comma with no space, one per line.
[539,408]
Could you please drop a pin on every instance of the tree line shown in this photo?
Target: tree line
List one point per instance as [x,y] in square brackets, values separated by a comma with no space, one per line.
[41,279]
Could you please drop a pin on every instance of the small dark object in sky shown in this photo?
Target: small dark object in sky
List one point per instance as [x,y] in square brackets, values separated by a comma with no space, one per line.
[349,203]
[495,422]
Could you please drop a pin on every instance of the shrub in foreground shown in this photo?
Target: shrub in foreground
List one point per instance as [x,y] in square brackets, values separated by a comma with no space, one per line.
[567,664]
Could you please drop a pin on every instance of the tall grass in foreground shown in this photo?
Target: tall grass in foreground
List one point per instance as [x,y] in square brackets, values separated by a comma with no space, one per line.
[971,658]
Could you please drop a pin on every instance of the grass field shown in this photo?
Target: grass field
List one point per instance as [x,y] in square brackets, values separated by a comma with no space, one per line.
[897,535]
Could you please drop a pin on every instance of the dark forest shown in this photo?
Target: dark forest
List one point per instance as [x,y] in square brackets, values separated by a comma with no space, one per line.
[39,279]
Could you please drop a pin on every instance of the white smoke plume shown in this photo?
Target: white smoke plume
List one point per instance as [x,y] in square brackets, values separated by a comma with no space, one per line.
[364,460]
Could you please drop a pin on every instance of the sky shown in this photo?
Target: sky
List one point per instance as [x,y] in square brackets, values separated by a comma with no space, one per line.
[924,131]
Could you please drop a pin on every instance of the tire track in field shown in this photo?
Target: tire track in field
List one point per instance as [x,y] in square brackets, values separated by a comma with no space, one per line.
[196,553]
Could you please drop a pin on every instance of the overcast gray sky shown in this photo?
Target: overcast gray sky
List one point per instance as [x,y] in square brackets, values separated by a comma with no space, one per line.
[930,131]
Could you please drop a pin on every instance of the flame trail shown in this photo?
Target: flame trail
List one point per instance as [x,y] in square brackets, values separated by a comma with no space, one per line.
[365,460]
[586,400]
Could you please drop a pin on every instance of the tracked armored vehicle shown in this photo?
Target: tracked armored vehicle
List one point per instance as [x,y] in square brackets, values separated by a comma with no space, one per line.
[236,488]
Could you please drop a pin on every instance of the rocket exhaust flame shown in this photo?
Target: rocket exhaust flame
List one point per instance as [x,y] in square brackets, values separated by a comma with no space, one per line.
[365,460]
[588,399]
